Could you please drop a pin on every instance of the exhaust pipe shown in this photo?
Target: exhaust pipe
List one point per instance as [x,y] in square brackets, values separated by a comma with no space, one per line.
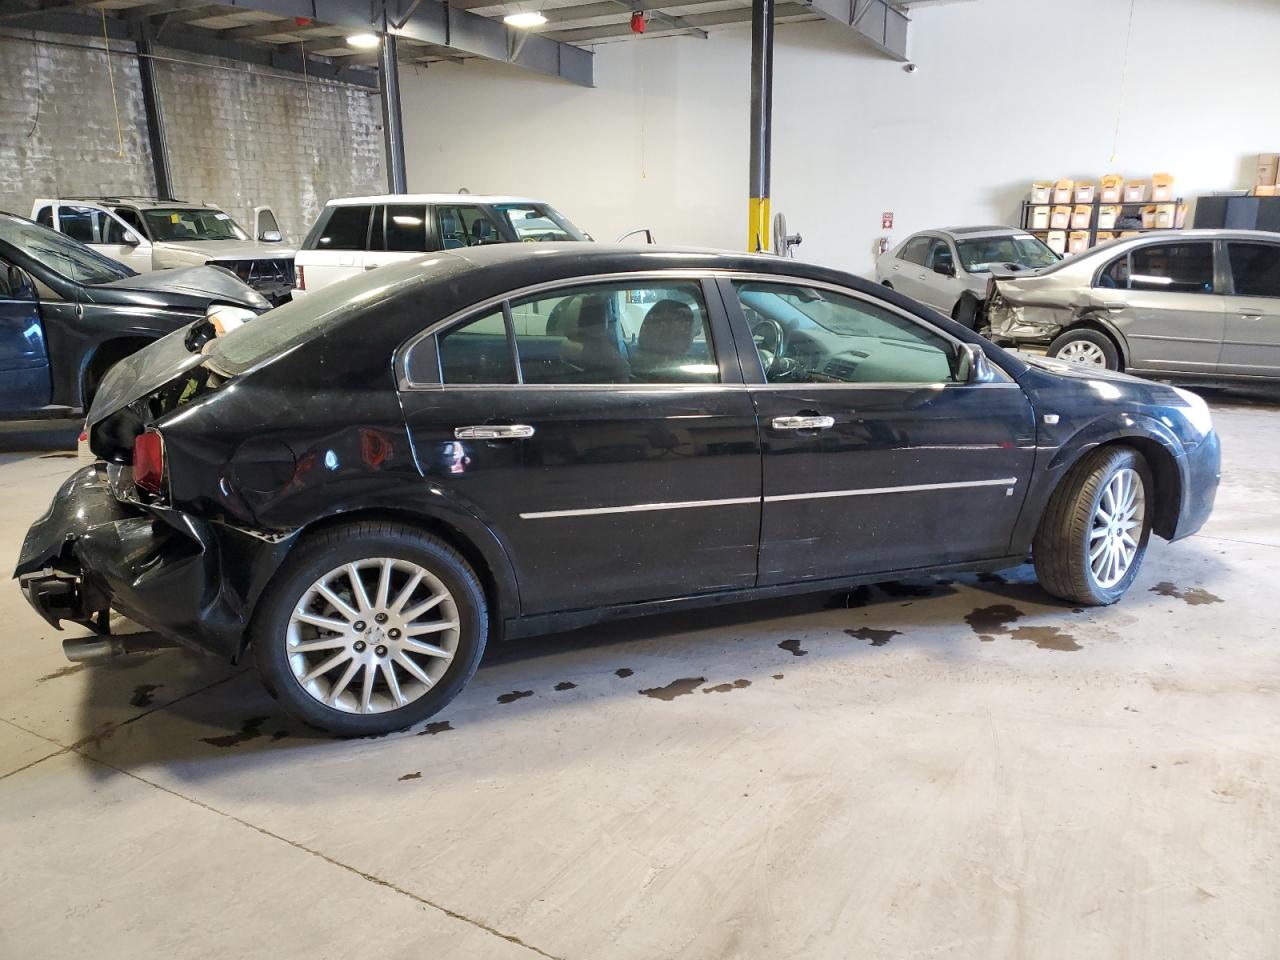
[84,649]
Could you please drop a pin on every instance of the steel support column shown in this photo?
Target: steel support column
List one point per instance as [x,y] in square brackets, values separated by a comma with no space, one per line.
[392,123]
[155,116]
[761,123]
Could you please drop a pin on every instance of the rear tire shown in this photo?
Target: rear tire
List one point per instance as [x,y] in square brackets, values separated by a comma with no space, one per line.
[395,654]
[1086,346]
[965,312]
[1101,510]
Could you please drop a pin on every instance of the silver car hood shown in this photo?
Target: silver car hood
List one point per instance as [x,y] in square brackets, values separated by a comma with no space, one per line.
[229,249]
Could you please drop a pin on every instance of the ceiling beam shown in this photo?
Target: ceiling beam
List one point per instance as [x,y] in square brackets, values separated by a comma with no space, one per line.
[719,18]
[878,23]
[609,8]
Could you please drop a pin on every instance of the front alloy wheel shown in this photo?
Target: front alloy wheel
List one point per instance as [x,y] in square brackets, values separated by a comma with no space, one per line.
[1118,520]
[370,627]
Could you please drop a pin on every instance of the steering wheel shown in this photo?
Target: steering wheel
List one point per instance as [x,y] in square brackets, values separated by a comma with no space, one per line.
[771,343]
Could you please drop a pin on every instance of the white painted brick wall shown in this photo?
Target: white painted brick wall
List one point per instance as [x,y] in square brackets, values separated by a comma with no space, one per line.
[239,136]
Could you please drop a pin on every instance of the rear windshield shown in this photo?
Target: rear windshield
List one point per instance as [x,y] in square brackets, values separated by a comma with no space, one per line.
[317,313]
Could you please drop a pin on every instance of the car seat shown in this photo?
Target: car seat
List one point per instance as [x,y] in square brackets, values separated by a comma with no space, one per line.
[664,342]
[591,344]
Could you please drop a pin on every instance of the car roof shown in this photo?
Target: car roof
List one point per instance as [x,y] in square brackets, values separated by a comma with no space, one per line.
[990,231]
[143,203]
[431,198]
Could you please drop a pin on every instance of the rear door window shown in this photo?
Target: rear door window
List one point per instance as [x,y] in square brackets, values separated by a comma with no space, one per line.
[346,229]
[916,250]
[81,223]
[1172,267]
[406,226]
[1255,268]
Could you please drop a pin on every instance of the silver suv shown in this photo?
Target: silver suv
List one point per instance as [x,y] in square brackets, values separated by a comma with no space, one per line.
[948,269]
[1185,303]
[147,233]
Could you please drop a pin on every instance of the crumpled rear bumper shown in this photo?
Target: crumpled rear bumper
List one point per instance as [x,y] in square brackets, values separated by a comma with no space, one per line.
[187,579]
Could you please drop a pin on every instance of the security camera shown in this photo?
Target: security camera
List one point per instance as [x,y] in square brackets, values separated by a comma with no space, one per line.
[909,67]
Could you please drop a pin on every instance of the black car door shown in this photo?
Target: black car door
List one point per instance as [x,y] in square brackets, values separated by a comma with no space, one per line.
[24,359]
[876,458]
[601,429]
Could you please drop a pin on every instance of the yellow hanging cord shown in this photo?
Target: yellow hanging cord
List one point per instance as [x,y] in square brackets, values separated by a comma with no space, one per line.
[106,42]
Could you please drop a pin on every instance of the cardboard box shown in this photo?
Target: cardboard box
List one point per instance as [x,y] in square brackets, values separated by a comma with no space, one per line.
[1161,187]
[1268,173]
[1135,191]
[1166,215]
[1107,217]
[1060,218]
[1039,218]
[1149,217]
[1085,192]
[1078,242]
[1111,188]
[1266,191]
[1057,241]
[1062,191]
[1104,236]
[1041,192]
[1081,217]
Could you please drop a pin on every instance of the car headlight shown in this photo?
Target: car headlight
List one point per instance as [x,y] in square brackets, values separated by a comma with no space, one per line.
[226,318]
[1196,411]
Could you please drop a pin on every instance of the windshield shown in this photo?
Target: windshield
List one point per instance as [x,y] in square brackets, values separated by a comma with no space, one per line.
[65,257]
[192,223]
[980,254]
[536,222]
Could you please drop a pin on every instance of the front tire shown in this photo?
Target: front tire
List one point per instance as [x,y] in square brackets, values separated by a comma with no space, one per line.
[965,312]
[1094,532]
[1086,346]
[370,627]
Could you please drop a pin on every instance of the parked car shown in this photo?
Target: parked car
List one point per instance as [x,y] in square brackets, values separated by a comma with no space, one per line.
[1184,304]
[148,233]
[948,269]
[468,442]
[68,315]
[360,233]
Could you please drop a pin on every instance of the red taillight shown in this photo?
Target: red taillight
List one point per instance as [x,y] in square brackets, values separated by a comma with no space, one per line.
[300,280]
[148,461]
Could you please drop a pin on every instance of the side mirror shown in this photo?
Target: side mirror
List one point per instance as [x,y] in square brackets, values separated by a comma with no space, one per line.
[130,239]
[973,365]
[944,267]
[16,284]
[270,236]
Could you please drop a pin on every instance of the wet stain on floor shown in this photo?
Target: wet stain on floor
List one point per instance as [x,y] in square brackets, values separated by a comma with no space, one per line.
[565,685]
[778,676]
[624,672]
[793,647]
[250,729]
[1047,638]
[676,688]
[438,726]
[728,687]
[59,456]
[66,671]
[993,619]
[878,638]
[144,694]
[514,695]
[1195,596]
[417,775]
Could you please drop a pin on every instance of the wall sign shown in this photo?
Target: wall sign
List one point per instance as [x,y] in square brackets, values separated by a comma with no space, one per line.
[886,220]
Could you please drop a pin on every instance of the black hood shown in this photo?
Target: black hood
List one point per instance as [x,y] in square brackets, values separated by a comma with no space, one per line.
[194,287]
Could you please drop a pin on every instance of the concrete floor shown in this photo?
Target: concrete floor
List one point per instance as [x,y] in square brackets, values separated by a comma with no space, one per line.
[946,769]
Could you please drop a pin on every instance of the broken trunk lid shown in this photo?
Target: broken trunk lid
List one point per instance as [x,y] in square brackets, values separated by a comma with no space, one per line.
[141,374]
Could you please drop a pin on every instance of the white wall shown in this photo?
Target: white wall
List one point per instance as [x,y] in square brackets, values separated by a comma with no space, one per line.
[996,103]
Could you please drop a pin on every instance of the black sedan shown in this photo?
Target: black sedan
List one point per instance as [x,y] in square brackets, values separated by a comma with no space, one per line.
[68,314]
[358,494]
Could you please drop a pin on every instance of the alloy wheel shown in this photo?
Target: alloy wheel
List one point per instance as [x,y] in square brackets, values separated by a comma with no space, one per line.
[1117,528]
[1083,351]
[372,635]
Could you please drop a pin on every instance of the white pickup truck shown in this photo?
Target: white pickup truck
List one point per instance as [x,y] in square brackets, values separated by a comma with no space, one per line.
[148,233]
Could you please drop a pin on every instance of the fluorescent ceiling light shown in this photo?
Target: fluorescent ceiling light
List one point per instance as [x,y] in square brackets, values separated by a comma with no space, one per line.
[363,41]
[524,20]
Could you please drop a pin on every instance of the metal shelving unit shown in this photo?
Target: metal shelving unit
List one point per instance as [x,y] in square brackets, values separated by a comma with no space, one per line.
[1093,228]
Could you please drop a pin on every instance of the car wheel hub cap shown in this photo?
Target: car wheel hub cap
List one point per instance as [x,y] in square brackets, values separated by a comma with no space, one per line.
[1082,351]
[372,636]
[1116,528]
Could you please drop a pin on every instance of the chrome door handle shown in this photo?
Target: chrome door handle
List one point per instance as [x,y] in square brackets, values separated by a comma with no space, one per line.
[1250,314]
[1114,305]
[494,431]
[370,266]
[803,423]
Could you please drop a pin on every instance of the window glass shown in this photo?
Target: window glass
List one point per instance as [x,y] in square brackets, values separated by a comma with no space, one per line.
[1255,268]
[808,335]
[1116,275]
[407,227]
[60,254]
[377,240]
[346,229]
[81,223]
[477,352]
[616,333]
[980,254]
[113,230]
[940,252]
[1174,267]
[45,217]
[915,251]
[132,219]
[192,223]
[535,222]
[466,227]
[267,222]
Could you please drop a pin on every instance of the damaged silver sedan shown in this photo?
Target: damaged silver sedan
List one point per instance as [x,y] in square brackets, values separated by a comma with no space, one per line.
[1185,303]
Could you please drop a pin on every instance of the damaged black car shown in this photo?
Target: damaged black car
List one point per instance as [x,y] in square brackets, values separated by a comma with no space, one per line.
[499,440]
